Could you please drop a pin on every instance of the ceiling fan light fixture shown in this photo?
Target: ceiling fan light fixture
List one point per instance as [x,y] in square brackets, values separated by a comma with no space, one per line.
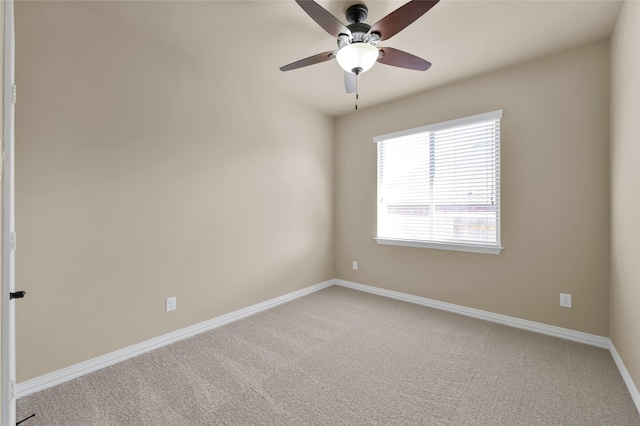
[357,58]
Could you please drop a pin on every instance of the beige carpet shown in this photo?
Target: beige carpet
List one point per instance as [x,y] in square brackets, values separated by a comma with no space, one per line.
[342,357]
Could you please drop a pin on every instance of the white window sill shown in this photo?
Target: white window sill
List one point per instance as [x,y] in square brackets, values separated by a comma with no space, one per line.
[473,248]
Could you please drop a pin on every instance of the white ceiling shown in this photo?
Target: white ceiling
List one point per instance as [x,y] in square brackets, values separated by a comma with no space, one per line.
[462,38]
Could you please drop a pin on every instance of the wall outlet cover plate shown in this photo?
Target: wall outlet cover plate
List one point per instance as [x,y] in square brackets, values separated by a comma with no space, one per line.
[170,304]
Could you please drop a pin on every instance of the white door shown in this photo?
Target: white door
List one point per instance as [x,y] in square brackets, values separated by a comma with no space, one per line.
[8,226]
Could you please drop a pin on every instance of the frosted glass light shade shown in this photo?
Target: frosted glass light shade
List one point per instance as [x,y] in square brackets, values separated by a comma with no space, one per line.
[357,55]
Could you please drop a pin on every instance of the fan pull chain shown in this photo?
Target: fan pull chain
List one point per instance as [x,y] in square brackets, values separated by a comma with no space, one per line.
[357,72]
[357,78]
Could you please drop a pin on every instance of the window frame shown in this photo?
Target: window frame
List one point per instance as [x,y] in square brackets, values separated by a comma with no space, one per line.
[443,245]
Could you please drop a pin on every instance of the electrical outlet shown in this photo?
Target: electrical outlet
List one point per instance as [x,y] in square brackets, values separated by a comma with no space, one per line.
[355,265]
[565,300]
[170,304]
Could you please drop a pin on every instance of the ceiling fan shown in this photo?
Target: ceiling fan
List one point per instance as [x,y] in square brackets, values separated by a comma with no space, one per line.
[357,51]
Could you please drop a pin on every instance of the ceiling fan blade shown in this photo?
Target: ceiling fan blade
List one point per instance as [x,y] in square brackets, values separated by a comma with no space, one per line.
[311,60]
[326,20]
[398,58]
[401,18]
[349,82]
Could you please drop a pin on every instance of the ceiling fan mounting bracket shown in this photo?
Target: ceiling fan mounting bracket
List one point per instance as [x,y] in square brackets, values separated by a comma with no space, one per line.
[357,13]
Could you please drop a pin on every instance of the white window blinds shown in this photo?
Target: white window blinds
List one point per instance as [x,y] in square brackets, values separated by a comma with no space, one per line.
[439,185]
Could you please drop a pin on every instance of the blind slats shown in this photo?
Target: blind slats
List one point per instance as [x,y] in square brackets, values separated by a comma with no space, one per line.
[441,183]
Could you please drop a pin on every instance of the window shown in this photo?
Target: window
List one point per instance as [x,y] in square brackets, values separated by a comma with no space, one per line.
[439,185]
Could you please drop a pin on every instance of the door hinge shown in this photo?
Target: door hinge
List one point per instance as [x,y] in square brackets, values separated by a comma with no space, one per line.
[13,241]
[14,94]
[12,389]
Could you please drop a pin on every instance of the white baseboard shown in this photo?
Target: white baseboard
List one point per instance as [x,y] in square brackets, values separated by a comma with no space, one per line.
[551,330]
[633,390]
[69,373]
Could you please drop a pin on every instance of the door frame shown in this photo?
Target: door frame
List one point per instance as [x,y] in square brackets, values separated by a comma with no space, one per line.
[8,224]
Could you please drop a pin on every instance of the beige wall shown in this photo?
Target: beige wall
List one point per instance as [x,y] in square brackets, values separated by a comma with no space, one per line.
[555,194]
[142,174]
[625,188]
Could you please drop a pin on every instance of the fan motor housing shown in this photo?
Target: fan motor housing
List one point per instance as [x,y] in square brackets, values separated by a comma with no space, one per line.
[356,15]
